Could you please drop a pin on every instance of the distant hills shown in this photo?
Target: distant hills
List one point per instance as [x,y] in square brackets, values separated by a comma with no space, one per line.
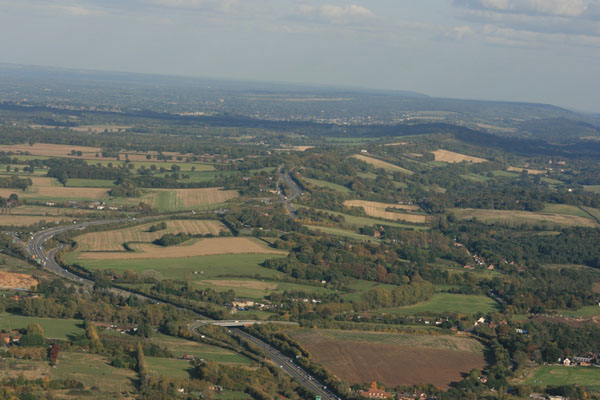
[130,92]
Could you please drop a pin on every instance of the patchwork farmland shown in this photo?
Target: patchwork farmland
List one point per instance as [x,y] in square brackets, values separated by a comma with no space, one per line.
[115,239]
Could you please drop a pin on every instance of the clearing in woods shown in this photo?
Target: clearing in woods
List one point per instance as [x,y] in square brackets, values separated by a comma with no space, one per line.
[11,280]
[529,171]
[114,240]
[523,217]
[452,157]
[330,185]
[191,248]
[179,347]
[394,359]
[377,163]
[449,303]
[379,210]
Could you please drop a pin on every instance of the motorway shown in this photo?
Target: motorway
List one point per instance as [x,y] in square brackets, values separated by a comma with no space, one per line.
[288,366]
[36,248]
[294,191]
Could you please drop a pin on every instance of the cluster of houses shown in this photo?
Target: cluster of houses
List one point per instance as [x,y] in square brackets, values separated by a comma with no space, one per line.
[246,304]
[376,393]
[239,304]
[583,361]
[92,205]
[116,328]
[11,338]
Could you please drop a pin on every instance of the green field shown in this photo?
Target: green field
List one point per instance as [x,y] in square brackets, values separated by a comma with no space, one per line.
[334,186]
[560,375]
[199,176]
[54,328]
[552,216]
[475,178]
[594,212]
[342,232]
[505,174]
[90,183]
[94,371]
[593,188]
[212,266]
[359,287]
[585,311]
[442,303]
[179,347]
[564,209]
[255,288]
[170,367]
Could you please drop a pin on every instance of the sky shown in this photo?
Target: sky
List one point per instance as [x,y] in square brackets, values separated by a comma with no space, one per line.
[545,51]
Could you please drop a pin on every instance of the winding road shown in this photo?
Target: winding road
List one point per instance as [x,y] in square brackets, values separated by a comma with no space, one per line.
[35,248]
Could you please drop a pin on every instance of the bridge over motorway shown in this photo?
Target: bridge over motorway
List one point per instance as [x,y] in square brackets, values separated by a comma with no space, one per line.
[234,323]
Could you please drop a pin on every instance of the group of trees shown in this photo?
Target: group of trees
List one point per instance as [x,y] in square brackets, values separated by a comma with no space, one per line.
[14,182]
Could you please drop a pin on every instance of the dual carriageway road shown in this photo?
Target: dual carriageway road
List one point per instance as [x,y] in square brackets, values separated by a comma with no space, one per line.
[35,248]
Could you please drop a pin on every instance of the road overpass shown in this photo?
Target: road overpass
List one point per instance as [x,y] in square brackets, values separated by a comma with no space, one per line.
[235,323]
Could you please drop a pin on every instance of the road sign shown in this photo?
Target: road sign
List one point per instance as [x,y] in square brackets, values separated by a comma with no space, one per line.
[317,397]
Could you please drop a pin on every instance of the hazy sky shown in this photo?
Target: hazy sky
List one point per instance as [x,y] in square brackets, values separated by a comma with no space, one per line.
[527,50]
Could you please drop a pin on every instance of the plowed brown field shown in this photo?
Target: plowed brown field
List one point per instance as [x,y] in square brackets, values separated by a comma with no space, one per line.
[358,361]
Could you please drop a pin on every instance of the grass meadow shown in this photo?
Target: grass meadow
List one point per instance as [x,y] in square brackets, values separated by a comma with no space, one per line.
[54,328]
[551,375]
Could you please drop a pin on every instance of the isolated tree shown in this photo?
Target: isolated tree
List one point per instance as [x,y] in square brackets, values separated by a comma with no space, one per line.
[54,349]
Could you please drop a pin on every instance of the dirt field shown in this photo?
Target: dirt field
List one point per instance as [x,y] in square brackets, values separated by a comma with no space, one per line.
[378,210]
[529,171]
[382,164]
[201,247]
[49,211]
[113,240]
[10,280]
[523,217]
[241,284]
[51,150]
[371,359]
[452,157]
[396,144]
[58,192]
[41,181]
[59,150]
[26,220]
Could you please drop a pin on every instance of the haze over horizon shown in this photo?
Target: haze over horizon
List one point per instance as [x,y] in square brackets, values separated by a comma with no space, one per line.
[514,50]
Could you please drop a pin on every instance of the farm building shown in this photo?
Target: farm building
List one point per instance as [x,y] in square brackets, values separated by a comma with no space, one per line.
[375,393]
[242,303]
